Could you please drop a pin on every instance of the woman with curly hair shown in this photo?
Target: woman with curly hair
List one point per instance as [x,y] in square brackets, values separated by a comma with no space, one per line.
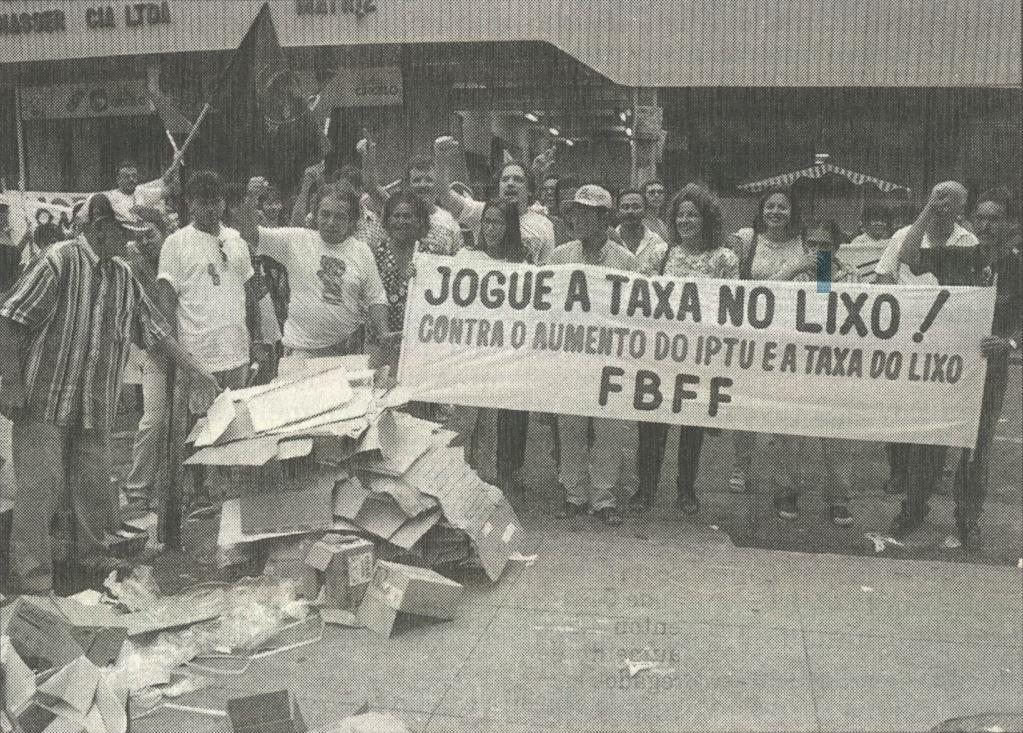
[696,252]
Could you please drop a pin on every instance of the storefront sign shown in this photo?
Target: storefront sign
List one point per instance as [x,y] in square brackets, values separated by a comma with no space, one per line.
[94,17]
[77,101]
[874,363]
[374,86]
[335,7]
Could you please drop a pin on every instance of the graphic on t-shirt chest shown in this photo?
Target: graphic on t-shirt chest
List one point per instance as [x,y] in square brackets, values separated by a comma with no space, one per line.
[331,276]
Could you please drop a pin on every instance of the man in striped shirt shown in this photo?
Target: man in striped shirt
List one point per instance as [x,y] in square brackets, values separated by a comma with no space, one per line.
[65,329]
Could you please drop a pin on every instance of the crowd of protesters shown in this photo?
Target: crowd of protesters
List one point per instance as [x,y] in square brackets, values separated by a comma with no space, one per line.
[226,294]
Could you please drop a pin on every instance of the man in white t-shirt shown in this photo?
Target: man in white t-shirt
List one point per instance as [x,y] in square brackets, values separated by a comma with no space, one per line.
[335,284]
[514,182]
[201,287]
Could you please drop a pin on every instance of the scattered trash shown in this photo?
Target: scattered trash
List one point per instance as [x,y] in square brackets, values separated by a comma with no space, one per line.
[269,712]
[1020,564]
[526,560]
[952,543]
[715,527]
[866,589]
[637,667]
[339,617]
[881,542]
[368,723]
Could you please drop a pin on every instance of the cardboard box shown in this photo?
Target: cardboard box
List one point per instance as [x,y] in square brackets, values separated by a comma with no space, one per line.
[41,637]
[497,538]
[402,589]
[269,712]
[343,566]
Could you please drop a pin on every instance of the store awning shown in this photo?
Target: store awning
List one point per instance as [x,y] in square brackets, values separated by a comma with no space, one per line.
[819,170]
[656,43]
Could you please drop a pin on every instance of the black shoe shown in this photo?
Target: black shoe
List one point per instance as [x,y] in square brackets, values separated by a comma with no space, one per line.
[569,510]
[906,520]
[639,503]
[841,516]
[688,504]
[787,507]
[610,516]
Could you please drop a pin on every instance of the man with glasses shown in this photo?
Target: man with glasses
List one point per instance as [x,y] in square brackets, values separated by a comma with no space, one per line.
[201,285]
[64,335]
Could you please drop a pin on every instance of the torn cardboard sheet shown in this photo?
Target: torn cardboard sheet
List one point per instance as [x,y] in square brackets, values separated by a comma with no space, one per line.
[409,533]
[293,402]
[497,539]
[80,694]
[411,500]
[19,681]
[305,510]
[398,589]
[40,636]
[230,533]
[380,515]
[355,408]
[296,366]
[403,439]
[350,495]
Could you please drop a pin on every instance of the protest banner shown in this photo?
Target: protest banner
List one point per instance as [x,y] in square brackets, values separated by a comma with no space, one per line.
[863,362]
[27,211]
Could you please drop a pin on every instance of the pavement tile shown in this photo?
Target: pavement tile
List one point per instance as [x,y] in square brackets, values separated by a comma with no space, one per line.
[870,684]
[562,672]
[614,576]
[913,599]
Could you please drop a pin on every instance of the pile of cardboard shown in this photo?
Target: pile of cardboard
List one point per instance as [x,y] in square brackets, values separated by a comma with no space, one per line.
[323,456]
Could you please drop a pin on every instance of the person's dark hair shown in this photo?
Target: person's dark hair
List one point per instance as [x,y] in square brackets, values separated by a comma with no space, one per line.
[709,209]
[205,184]
[495,181]
[626,191]
[47,234]
[349,173]
[653,182]
[795,223]
[418,163]
[510,249]
[877,212]
[99,207]
[1002,196]
[419,209]
[149,215]
[835,233]
[341,190]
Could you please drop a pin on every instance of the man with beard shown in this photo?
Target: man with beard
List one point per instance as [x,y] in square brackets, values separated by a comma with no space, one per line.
[513,182]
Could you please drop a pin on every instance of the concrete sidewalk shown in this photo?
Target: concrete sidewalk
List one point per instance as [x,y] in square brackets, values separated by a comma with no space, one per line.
[744,639]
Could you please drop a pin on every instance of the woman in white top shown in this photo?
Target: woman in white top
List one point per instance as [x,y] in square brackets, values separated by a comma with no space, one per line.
[772,249]
[696,252]
[333,276]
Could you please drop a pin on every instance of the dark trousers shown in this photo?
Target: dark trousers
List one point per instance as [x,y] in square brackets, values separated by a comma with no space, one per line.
[923,471]
[512,427]
[974,465]
[652,440]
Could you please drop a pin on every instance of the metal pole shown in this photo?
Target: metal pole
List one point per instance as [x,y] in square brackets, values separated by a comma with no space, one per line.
[22,176]
[633,151]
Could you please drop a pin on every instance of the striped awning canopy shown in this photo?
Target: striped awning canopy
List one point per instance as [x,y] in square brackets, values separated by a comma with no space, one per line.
[820,170]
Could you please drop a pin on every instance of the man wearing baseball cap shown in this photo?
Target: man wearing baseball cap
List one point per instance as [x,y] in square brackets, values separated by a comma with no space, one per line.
[590,474]
[64,335]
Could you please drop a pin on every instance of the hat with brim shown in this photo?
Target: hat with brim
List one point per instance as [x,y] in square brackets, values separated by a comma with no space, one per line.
[591,197]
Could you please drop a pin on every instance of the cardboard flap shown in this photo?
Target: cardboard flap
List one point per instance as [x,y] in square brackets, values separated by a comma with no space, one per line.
[403,439]
[293,402]
[37,633]
[413,530]
[72,690]
[288,450]
[250,452]
[411,500]
[19,681]
[380,515]
[351,495]
[269,712]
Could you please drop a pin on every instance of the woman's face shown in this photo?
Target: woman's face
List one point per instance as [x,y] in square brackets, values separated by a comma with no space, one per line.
[494,227]
[272,208]
[688,221]
[777,213]
[402,224]
[335,220]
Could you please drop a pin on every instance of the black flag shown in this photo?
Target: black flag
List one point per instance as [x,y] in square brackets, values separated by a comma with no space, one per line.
[258,122]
